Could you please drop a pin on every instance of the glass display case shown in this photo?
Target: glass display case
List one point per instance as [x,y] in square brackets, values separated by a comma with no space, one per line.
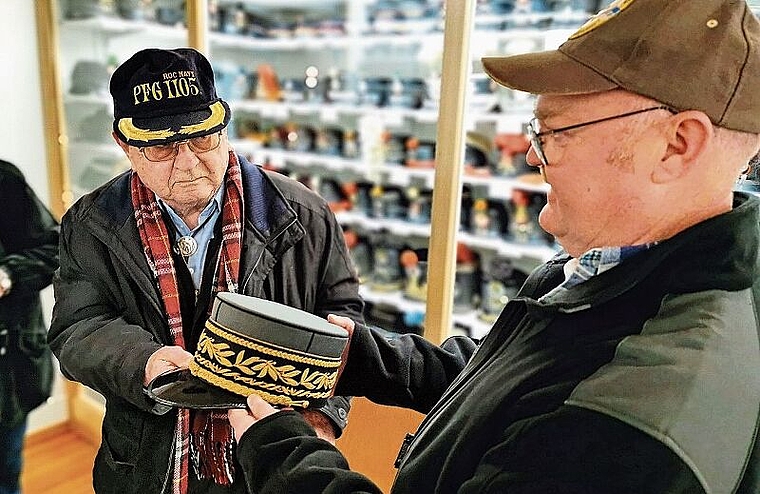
[344,96]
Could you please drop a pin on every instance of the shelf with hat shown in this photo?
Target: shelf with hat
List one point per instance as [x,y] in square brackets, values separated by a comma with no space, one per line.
[535,252]
[395,288]
[389,173]
[116,26]
[115,17]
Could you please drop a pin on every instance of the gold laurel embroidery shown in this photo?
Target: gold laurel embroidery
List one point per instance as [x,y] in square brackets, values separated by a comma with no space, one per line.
[288,374]
[216,118]
[137,134]
[228,379]
[244,390]
[285,373]
[279,388]
[269,349]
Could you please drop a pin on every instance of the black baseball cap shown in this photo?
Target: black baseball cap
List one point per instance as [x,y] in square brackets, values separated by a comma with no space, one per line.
[161,96]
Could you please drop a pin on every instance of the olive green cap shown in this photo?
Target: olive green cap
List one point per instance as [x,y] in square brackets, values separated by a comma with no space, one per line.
[689,54]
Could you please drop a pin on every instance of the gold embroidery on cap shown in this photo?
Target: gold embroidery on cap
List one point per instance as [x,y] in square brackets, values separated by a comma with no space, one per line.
[269,348]
[601,17]
[276,379]
[134,133]
[216,118]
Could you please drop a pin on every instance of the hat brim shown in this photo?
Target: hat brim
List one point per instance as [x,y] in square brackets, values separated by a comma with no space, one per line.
[141,132]
[547,72]
[180,389]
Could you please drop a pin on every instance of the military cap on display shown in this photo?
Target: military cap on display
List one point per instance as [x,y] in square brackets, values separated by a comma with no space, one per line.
[689,54]
[162,96]
[249,345]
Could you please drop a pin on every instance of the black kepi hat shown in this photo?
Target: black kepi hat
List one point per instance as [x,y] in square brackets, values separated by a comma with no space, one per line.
[161,96]
[250,345]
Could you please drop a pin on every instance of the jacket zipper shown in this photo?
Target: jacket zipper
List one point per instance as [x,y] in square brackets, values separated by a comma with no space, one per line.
[261,254]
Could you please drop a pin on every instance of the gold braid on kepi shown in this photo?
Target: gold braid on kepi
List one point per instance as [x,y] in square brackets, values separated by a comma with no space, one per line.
[246,365]
[249,345]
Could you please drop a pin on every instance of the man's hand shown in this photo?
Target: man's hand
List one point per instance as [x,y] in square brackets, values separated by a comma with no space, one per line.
[322,425]
[165,359]
[343,322]
[242,420]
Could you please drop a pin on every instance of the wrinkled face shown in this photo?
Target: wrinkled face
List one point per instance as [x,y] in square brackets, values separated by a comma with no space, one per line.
[600,174]
[187,181]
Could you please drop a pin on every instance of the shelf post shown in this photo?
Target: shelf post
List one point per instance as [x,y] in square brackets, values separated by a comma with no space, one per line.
[449,158]
[56,140]
[197,25]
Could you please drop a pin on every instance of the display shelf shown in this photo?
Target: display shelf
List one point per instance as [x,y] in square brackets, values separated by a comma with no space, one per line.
[115,26]
[88,99]
[362,51]
[538,252]
[468,320]
[328,112]
[316,43]
[497,187]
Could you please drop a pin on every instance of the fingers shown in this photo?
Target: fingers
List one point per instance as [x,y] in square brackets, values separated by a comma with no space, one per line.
[259,408]
[343,322]
[240,420]
[165,359]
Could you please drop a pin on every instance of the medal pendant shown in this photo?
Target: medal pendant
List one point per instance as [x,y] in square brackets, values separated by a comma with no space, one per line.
[186,246]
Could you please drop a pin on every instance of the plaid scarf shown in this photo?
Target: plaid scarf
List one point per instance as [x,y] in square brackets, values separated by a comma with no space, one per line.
[210,444]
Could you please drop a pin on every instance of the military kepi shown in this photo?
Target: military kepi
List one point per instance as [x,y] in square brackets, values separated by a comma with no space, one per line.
[162,96]
[249,345]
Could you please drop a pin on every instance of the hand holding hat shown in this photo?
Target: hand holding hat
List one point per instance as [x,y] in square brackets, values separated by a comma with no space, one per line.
[257,408]
[250,346]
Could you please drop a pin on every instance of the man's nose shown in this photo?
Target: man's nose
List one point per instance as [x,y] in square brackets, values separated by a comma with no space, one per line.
[186,159]
[532,157]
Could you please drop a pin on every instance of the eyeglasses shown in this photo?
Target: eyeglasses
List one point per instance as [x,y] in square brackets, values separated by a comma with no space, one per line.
[198,145]
[535,134]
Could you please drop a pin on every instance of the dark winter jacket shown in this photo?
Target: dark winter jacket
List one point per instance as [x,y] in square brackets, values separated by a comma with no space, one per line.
[643,379]
[29,253]
[109,318]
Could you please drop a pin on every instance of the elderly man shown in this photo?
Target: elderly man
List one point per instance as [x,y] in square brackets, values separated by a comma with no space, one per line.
[629,363]
[143,256]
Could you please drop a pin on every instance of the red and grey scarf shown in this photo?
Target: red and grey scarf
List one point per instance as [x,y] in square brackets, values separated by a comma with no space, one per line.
[203,436]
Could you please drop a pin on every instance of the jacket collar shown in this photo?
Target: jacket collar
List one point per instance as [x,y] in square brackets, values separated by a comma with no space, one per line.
[271,224]
[719,253]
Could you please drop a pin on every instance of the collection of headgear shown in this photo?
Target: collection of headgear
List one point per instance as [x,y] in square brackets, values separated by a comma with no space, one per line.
[484,281]
[382,16]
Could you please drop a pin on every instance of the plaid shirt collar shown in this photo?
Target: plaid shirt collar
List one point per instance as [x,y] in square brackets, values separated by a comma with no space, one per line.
[592,263]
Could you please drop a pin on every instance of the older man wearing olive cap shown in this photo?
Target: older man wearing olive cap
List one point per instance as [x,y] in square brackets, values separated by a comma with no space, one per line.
[628,363]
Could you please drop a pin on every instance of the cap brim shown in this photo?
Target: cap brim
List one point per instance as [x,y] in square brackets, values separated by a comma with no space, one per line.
[547,72]
[179,388]
[141,132]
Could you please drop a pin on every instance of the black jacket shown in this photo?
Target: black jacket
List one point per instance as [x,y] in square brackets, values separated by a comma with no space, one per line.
[108,316]
[29,252]
[643,379]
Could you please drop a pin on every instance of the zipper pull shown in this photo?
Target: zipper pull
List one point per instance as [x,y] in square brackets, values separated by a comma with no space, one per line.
[405,444]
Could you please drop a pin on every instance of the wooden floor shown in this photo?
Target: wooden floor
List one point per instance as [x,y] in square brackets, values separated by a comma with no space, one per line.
[57,461]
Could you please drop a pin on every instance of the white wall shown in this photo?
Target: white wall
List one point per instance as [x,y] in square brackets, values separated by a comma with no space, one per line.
[22,136]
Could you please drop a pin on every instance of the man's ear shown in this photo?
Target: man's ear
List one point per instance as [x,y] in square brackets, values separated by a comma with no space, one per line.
[688,135]
[123,145]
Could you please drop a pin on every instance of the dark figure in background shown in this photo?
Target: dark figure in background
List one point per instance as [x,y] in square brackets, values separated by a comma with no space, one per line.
[143,256]
[630,362]
[28,258]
